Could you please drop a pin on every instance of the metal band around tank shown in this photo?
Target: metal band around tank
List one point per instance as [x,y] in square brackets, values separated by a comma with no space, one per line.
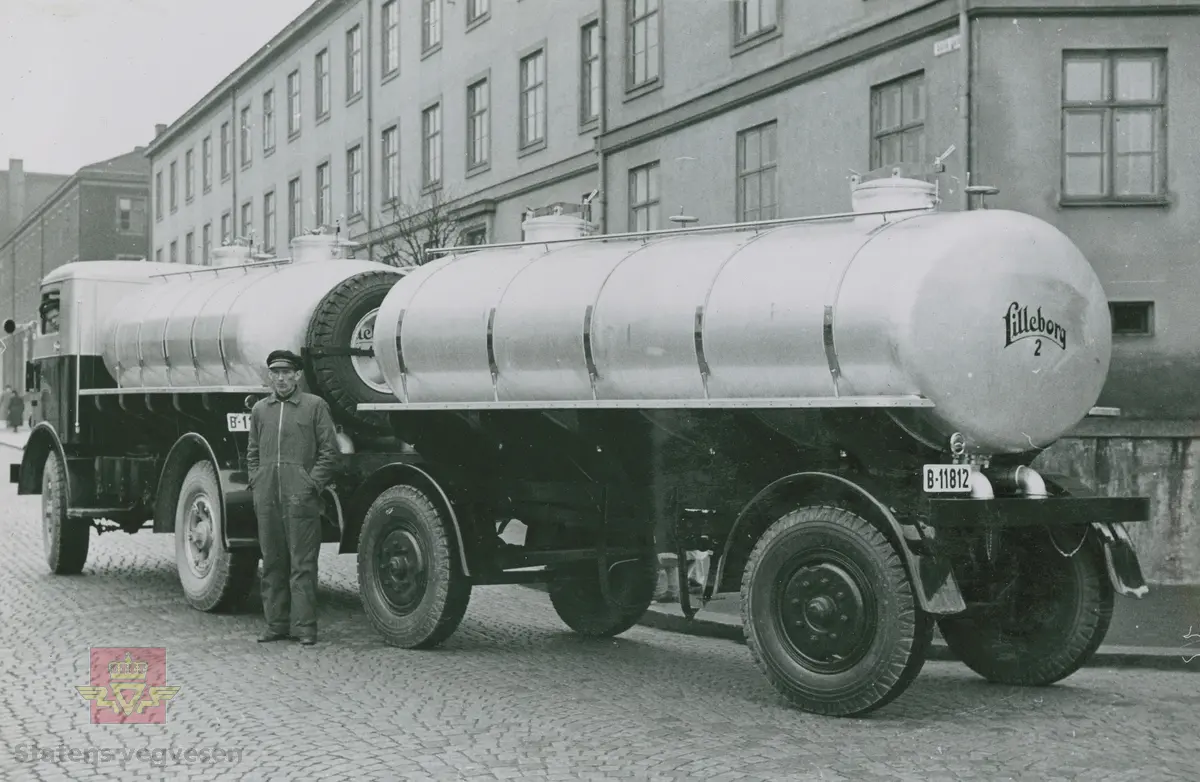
[491,352]
[400,356]
[701,361]
[588,357]
[196,319]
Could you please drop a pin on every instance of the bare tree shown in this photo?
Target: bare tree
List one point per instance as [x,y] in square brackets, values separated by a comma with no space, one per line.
[410,229]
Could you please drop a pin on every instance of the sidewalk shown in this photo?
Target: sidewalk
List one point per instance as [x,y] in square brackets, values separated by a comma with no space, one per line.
[14,439]
[1146,633]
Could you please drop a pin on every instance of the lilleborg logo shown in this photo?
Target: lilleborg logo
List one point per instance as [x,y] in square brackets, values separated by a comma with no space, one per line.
[1020,324]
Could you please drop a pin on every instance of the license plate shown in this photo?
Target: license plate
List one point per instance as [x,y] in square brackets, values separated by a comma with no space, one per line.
[238,422]
[947,478]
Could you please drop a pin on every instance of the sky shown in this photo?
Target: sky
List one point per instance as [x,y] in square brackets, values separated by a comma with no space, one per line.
[86,80]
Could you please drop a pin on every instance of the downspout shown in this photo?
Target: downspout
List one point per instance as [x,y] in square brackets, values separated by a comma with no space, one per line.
[964,100]
[235,134]
[368,156]
[601,158]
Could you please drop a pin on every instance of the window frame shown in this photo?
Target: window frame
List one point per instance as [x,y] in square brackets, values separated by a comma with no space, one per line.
[189,248]
[295,93]
[389,32]
[174,180]
[429,183]
[269,217]
[323,202]
[226,151]
[740,174]
[386,192]
[652,206]
[133,229]
[354,62]
[295,207]
[636,89]
[743,42]
[189,175]
[355,194]
[587,89]
[206,244]
[268,116]
[475,16]
[1107,107]
[247,218]
[878,133]
[525,145]
[1149,308]
[473,165]
[206,158]
[246,153]
[432,31]
[323,85]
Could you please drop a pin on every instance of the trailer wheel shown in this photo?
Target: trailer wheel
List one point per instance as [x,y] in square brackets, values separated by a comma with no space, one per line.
[579,602]
[66,540]
[1051,615]
[411,589]
[830,615]
[345,318]
[213,577]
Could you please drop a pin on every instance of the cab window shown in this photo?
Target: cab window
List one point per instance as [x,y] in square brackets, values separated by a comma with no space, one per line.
[49,310]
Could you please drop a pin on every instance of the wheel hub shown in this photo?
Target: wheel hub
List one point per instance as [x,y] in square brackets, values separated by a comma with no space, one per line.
[366,367]
[199,533]
[825,616]
[401,565]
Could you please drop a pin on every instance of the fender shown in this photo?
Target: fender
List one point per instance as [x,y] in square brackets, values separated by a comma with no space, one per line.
[42,438]
[395,473]
[933,581]
[237,504]
[1120,557]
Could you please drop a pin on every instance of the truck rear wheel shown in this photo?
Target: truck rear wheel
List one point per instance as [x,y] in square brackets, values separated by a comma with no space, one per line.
[345,318]
[579,602]
[65,540]
[213,577]
[830,615]
[1052,613]
[411,589]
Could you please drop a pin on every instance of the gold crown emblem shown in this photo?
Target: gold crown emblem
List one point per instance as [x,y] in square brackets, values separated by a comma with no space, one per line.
[128,669]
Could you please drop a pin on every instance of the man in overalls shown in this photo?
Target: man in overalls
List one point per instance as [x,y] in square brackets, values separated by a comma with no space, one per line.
[292,455]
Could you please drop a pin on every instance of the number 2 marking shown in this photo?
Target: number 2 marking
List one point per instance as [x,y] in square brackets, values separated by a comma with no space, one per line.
[1037,349]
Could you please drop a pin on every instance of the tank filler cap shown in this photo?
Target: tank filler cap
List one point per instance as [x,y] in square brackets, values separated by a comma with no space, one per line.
[317,246]
[894,192]
[234,254]
[555,223]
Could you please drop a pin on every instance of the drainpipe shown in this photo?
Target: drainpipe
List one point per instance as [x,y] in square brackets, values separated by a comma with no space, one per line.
[235,136]
[369,146]
[601,158]
[964,100]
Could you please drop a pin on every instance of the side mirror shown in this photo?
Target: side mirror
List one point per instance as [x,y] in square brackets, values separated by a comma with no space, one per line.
[10,326]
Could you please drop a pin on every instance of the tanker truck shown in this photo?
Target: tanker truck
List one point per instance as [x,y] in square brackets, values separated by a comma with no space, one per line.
[844,409]
[148,372]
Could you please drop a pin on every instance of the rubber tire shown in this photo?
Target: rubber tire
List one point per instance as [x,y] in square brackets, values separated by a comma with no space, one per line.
[895,656]
[447,590]
[578,601]
[332,325]
[1058,651]
[66,540]
[232,573]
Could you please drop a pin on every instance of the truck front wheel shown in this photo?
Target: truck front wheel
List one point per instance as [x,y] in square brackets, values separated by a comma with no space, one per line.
[213,577]
[1049,614]
[830,615]
[65,540]
[411,590]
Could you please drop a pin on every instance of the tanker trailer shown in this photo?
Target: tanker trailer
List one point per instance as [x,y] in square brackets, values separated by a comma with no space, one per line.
[148,371]
[843,408]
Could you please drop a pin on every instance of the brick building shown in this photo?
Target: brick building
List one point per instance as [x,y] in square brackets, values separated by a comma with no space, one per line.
[100,212]
[20,191]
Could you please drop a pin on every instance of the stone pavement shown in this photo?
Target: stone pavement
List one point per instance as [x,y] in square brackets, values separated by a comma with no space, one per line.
[512,695]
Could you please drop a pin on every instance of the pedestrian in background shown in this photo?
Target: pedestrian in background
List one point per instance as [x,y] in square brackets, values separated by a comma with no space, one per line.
[15,414]
[291,458]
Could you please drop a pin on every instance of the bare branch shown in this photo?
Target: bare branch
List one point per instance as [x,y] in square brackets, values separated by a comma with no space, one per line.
[410,228]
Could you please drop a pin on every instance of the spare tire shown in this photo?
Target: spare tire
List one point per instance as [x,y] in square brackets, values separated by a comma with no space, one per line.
[345,318]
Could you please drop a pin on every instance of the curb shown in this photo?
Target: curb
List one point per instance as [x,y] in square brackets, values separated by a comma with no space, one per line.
[1107,657]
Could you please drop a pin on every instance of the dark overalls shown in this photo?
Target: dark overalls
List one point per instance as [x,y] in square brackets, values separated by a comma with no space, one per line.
[292,455]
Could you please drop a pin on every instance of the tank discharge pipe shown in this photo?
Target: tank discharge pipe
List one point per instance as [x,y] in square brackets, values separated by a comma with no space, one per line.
[1025,480]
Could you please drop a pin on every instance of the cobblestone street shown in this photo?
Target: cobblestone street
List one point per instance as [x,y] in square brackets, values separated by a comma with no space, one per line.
[512,695]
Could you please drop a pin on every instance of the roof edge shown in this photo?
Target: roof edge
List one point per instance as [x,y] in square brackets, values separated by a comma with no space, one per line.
[294,28]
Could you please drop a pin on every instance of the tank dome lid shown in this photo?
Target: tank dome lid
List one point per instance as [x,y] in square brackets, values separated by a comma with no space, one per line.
[893,192]
[318,246]
[231,255]
[556,222]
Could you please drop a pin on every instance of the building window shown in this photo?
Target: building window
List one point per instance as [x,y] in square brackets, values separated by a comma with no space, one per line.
[354,62]
[295,207]
[477,124]
[189,248]
[323,194]
[391,164]
[174,251]
[158,196]
[533,99]
[431,147]
[391,37]
[174,185]
[244,139]
[1113,125]
[898,121]
[757,193]
[321,71]
[226,150]
[293,82]
[753,18]
[268,135]
[131,215]
[189,174]
[206,244]
[473,236]
[476,10]
[354,182]
[1132,318]
[642,33]
[206,162]
[431,24]
[643,198]
[589,74]
[226,228]
[268,242]
[247,219]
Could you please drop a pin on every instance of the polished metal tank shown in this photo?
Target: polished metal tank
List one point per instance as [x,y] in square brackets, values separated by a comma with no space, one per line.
[213,327]
[993,316]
